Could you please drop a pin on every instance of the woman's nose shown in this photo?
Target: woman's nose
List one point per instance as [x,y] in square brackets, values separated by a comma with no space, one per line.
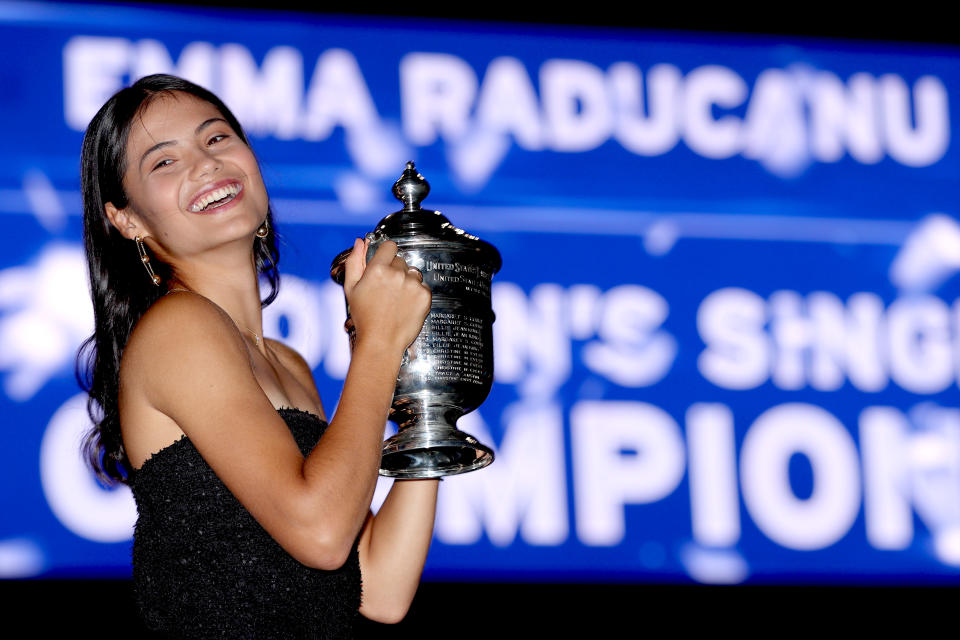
[206,163]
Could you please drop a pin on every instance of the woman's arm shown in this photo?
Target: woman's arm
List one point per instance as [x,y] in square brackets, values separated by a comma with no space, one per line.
[393,545]
[393,549]
[187,364]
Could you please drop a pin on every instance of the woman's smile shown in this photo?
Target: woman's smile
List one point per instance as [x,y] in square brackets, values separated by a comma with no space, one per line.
[219,195]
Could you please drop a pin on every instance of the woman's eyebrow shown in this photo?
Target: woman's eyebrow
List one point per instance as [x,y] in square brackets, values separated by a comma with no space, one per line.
[203,125]
[207,123]
[155,147]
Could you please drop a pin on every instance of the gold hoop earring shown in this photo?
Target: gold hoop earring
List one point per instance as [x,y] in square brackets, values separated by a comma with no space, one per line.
[145,259]
[263,230]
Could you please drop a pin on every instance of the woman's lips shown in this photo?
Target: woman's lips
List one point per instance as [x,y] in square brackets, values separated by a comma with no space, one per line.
[217,196]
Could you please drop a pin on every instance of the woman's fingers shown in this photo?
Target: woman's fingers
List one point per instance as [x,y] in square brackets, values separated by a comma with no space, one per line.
[354,266]
[389,301]
[397,261]
[386,253]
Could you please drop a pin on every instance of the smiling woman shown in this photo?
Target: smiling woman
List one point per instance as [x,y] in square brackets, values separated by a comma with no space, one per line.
[119,295]
[190,161]
[254,513]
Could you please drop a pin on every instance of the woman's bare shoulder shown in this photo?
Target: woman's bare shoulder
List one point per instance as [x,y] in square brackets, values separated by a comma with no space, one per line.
[184,316]
[182,340]
[189,372]
[179,353]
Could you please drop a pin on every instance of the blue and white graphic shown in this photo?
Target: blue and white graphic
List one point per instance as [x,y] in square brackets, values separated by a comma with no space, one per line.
[727,343]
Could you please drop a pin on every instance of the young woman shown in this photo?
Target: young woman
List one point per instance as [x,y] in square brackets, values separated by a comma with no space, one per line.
[250,523]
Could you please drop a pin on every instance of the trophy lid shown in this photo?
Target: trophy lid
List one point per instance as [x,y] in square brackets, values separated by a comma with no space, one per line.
[412,221]
[414,226]
[411,188]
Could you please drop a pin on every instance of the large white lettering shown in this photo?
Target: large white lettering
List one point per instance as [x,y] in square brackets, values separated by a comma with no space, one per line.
[886,504]
[921,359]
[923,143]
[714,498]
[575,105]
[633,350]
[531,338]
[774,130]
[646,127]
[523,491]
[912,464]
[844,118]
[72,491]
[197,62]
[266,98]
[508,104]
[93,69]
[624,453]
[706,87]
[731,323]
[533,335]
[828,513]
[818,341]
[338,95]
[791,115]
[438,91]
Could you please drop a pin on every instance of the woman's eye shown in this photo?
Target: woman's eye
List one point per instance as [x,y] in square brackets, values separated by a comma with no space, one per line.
[217,138]
[163,163]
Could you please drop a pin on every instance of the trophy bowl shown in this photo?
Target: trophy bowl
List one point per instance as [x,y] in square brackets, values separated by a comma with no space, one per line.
[448,370]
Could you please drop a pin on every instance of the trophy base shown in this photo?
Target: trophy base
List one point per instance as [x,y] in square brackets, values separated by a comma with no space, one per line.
[421,455]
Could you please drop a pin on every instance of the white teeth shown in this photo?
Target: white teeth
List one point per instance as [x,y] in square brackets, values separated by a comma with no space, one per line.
[213,196]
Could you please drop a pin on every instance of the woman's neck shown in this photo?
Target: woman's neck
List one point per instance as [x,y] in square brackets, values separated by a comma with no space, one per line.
[232,285]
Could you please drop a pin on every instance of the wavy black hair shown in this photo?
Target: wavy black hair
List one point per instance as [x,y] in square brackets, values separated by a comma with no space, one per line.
[119,286]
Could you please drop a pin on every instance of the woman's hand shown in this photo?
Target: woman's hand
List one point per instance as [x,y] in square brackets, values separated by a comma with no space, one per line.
[388,300]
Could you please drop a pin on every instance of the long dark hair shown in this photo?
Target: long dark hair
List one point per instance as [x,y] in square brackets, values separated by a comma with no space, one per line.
[119,286]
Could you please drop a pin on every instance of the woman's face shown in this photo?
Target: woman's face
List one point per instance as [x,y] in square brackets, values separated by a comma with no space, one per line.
[191,182]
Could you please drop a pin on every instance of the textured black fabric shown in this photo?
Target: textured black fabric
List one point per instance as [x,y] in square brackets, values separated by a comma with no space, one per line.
[204,568]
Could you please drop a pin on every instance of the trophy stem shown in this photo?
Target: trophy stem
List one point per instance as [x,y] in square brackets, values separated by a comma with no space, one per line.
[432,450]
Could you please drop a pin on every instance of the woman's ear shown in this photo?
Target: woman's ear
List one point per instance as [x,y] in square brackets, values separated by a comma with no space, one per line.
[123,220]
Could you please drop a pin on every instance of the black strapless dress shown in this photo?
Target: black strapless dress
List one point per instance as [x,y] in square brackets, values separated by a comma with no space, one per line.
[204,568]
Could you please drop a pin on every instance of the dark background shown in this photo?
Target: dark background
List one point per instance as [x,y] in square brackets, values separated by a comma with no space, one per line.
[918,22]
[922,23]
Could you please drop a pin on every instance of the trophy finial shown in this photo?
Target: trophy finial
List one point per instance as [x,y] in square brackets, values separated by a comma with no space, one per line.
[411,188]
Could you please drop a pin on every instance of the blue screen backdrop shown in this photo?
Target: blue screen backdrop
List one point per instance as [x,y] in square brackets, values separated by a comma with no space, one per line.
[727,342]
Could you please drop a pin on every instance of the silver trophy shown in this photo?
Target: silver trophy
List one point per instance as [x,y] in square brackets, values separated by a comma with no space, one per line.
[448,370]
